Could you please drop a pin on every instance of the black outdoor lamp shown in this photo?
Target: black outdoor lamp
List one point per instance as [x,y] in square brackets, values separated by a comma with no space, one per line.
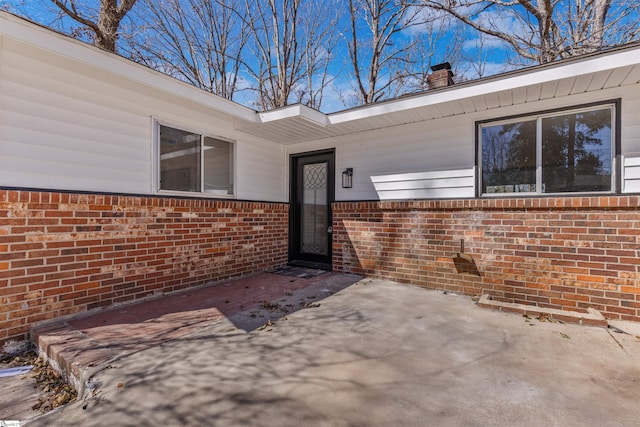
[347,178]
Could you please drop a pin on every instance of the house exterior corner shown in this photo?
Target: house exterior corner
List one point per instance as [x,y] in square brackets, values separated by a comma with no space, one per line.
[119,183]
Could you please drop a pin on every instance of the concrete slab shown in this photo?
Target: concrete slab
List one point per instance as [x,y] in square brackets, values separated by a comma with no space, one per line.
[19,393]
[631,328]
[80,346]
[375,354]
[588,317]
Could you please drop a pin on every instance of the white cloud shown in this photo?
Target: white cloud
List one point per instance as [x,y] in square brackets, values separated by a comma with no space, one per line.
[430,20]
[506,21]
[484,41]
[337,96]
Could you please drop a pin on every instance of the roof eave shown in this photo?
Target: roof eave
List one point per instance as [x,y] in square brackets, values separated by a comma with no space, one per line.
[583,65]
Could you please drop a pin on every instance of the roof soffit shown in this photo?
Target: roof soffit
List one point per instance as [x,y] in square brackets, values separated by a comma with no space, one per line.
[618,67]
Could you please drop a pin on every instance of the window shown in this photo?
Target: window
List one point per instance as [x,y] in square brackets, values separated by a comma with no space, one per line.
[195,163]
[565,152]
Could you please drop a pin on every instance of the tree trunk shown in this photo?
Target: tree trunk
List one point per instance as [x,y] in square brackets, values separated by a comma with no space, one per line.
[105,27]
[108,24]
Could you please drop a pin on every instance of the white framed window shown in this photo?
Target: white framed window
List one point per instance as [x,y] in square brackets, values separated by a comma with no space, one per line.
[193,162]
[569,151]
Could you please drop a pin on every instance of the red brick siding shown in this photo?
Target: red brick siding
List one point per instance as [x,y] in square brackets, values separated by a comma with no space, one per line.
[567,253]
[66,253]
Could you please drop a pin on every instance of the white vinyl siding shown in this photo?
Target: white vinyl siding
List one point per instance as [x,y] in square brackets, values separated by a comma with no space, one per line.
[66,125]
[448,145]
[75,118]
[632,173]
[61,135]
[439,145]
[631,143]
[426,185]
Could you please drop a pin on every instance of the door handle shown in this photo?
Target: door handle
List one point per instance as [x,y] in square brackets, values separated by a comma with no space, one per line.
[330,230]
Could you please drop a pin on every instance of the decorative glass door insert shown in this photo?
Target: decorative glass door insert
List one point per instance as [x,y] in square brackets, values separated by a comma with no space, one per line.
[315,209]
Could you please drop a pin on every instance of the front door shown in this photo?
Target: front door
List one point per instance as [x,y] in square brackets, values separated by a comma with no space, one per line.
[312,191]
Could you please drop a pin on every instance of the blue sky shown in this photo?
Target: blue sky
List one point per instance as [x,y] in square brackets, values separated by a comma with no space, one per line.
[340,93]
[477,55]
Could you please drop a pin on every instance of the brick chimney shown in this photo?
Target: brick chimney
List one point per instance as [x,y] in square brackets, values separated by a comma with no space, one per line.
[442,76]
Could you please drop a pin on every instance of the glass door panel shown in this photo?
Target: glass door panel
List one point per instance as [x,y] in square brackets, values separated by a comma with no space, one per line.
[313,227]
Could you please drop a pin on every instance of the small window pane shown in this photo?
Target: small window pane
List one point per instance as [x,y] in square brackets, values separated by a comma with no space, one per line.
[218,159]
[509,158]
[179,160]
[315,209]
[576,152]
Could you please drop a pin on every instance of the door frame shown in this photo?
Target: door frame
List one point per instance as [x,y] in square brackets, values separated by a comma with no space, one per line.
[295,200]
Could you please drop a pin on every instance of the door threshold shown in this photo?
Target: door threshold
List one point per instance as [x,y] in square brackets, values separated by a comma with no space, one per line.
[310,264]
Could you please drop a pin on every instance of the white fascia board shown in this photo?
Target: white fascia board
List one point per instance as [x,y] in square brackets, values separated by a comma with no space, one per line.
[27,32]
[295,111]
[514,80]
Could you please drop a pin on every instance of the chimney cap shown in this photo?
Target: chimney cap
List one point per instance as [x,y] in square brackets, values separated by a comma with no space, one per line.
[443,66]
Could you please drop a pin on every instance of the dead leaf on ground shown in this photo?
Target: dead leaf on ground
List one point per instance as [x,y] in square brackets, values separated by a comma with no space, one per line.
[265,326]
[57,391]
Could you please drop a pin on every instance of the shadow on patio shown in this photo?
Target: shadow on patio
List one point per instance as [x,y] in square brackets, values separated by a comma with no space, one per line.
[81,346]
[375,354]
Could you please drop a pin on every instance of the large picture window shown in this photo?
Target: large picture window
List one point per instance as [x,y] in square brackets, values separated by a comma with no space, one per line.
[565,152]
[193,162]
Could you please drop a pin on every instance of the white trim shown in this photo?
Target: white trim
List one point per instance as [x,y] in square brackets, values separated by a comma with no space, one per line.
[500,83]
[155,155]
[539,184]
[295,111]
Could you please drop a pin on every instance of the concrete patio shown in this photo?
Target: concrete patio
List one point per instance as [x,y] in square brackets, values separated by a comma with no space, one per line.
[347,352]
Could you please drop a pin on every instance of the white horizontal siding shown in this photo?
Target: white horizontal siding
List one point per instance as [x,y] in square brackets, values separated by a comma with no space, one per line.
[66,125]
[631,142]
[445,144]
[442,144]
[75,126]
[631,173]
[261,171]
[426,185]
[632,177]
[63,129]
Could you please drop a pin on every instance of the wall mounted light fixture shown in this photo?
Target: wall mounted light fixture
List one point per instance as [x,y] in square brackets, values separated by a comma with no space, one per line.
[347,178]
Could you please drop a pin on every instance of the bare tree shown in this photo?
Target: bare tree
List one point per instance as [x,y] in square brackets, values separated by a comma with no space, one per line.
[15,7]
[546,30]
[320,38]
[480,57]
[290,48]
[278,66]
[103,21]
[198,41]
[438,39]
[598,23]
[376,52]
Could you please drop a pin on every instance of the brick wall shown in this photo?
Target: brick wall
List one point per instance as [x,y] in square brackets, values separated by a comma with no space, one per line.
[66,253]
[566,253]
